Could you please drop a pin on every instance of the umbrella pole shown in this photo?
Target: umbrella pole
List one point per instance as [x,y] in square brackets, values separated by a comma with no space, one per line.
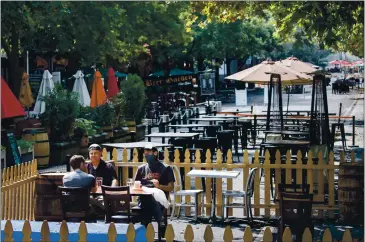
[287,104]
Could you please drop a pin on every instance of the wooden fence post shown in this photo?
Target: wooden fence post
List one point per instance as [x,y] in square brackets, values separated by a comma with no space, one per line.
[347,236]
[320,182]
[27,231]
[105,154]
[8,231]
[64,232]
[247,235]
[131,233]
[82,232]
[150,233]
[229,183]
[208,234]
[45,232]
[288,170]
[187,181]
[124,168]
[327,236]
[299,170]
[246,170]
[189,234]
[198,182]
[177,163]
[228,235]
[256,195]
[112,233]
[310,171]
[287,236]
[267,182]
[307,235]
[135,160]
[208,184]
[219,184]
[267,235]
[169,234]
[3,194]
[11,194]
[277,178]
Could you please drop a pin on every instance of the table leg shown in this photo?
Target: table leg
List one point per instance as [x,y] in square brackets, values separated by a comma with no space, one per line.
[174,129]
[163,140]
[213,218]
[149,139]
[235,141]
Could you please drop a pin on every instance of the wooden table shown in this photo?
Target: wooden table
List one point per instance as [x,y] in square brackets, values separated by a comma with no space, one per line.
[133,145]
[191,126]
[171,135]
[133,192]
[213,174]
[286,132]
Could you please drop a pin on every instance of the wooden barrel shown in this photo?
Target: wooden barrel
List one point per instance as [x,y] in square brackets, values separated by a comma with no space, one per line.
[48,205]
[351,192]
[41,145]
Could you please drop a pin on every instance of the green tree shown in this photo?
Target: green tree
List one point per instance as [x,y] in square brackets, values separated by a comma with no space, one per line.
[332,24]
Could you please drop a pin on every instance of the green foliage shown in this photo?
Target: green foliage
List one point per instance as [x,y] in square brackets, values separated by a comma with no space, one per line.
[133,90]
[333,24]
[86,126]
[3,148]
[24,144]
[103,115]
[62,108]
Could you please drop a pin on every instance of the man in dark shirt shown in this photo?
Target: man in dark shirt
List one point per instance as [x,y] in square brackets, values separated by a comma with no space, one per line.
[99,168]
[154,174]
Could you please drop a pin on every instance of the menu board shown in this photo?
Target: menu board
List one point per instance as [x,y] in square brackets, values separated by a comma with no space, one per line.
[35,81]
[207,83]
[12,153]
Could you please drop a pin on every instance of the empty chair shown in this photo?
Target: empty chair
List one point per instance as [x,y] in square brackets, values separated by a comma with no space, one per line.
[117,204]
[247,195]
[75,204]
[178,191]
[295,207]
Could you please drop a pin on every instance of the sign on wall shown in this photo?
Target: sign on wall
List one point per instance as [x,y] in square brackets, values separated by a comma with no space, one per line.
[160,81]
[207,83]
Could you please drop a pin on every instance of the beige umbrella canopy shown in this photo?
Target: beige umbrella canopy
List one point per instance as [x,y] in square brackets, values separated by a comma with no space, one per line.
[261,73]
[297,65]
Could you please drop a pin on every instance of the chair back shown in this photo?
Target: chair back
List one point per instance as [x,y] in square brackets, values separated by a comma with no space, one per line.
[225,139]
[211,131]
[116,200]
[74,202]
[294,188]
[250,182]
[296,207]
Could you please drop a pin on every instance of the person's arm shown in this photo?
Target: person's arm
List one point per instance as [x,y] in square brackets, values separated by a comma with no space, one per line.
[168,188]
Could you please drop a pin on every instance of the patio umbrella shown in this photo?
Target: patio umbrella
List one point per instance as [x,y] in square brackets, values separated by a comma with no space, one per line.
[25,94]
[273,74]
[297,65]
[260,74]
[98,95]
[10,106]
[81,89]
[113,89]
[47,85]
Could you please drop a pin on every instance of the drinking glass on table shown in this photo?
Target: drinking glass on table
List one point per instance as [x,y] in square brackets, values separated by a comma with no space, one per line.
[99,182]
[130,182]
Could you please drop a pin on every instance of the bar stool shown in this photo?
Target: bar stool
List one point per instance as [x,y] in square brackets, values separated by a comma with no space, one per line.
[343,137]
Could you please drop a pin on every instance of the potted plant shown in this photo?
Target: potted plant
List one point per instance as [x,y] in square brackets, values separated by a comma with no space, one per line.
[26,149]
[62,108]
[133,92]
[104,117]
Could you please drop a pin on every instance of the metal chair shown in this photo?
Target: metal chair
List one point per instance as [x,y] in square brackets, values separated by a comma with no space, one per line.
[247,195]
[75,204]
[183,193]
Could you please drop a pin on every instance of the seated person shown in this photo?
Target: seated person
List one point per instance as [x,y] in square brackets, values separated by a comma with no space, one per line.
[99,168]
[78,177]
[154,174]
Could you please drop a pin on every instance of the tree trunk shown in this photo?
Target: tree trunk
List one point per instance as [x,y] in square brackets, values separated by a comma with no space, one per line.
[200,64]
[228,65]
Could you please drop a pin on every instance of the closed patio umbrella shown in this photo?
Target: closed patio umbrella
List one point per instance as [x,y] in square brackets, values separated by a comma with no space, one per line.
[98,95]
[81,89]
[10,106]
[47,85]
[25,94]
[113,89]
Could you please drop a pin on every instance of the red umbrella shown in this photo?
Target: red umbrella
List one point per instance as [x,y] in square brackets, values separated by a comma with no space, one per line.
[10,106]
[335,62]
[113,89]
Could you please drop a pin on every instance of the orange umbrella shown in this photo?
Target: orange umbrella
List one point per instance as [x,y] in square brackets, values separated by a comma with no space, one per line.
[10,106]
[98,95]
[25,95]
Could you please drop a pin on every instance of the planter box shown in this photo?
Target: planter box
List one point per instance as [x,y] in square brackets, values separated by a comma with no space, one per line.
[26,155]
